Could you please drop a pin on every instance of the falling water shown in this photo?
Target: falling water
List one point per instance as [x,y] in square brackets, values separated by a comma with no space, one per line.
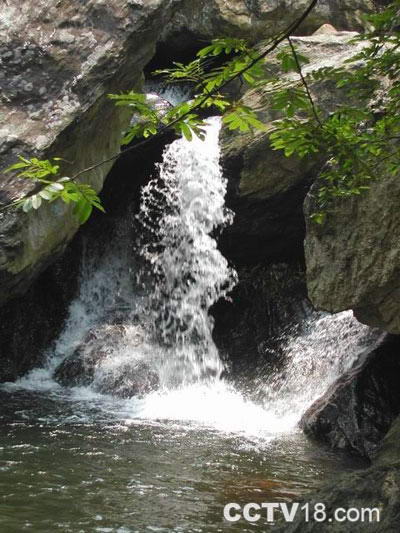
[179,212]
[152,310]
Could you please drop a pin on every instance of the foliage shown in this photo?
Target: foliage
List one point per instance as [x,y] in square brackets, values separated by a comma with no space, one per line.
[149,118]
[206,80]
[360,138]
[36,170]
[289,61]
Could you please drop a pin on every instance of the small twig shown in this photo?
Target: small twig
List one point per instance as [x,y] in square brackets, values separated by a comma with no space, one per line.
[304,82]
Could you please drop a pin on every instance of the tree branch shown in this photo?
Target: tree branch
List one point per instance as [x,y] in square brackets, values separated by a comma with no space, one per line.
[273,45]
[304,82]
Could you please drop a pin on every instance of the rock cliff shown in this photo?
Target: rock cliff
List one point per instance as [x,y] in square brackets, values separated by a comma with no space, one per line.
[353,260]
[58,61]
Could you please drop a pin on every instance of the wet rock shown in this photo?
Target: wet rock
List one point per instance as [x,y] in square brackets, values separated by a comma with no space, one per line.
[267,302]
[80,367]
[92,363]
[133,379]
[74,370]
[358,410]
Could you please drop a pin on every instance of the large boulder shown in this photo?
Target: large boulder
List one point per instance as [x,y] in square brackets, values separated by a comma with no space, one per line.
[358,410]
[94,363]
[79,368]
[266,189]
[353,259]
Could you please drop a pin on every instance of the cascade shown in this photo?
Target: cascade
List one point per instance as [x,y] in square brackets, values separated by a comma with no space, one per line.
[179,212]
[140,327]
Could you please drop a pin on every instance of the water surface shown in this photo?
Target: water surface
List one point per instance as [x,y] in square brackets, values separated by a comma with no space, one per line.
[71,463]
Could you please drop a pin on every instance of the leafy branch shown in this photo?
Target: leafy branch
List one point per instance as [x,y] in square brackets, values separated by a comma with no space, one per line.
[359,141]
[82,195]
[184,120]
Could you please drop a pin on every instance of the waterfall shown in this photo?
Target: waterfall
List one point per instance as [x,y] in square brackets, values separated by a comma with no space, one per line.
[143,305]
[140,327]
[179,212]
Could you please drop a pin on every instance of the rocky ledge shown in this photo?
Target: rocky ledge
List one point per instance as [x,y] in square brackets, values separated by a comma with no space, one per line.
[377,487]
[357,411]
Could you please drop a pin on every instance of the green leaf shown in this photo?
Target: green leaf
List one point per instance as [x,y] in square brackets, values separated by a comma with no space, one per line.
[36,201]
[46,194]
[319,218]
[27,205]
[225,45]
[16,166]
[82,210]
[55,187]
[186,131]
[248,78]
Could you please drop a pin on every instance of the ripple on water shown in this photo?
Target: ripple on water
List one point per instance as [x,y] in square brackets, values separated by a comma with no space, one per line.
[106,470]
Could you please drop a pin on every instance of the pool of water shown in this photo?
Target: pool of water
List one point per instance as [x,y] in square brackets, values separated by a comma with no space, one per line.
[74,463]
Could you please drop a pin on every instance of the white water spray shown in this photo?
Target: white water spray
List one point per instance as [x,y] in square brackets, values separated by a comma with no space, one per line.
[179,212]
[314,358]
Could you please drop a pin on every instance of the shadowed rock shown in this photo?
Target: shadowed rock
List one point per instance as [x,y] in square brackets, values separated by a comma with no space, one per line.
[90,364]
[357,411]
[377,487]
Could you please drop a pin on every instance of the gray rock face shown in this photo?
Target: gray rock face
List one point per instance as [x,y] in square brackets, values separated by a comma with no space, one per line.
[267,189]
[358,410]
[88,365]
[58,61]
[256,19]
[353,260]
